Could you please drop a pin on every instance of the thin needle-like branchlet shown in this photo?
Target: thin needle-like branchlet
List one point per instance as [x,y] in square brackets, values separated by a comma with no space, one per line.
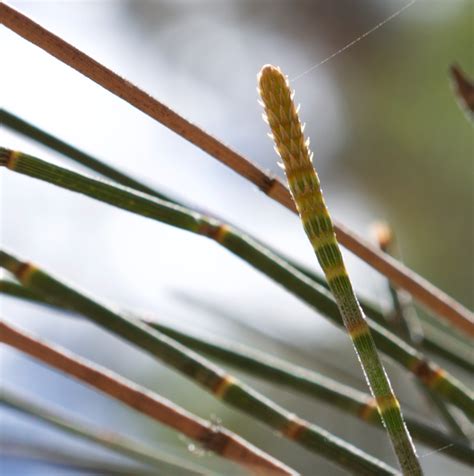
[316,296]
[211,437]
[279,372]
[405,322]
[434,342]
[7,119]
[114,441]
[219,383]
[287,132]
[425,292]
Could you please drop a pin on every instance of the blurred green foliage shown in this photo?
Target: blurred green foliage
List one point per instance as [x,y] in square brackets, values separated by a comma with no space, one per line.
[412,148]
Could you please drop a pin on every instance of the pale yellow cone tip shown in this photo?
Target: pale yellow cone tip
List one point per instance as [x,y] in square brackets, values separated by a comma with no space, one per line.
[269,69]
[269,73]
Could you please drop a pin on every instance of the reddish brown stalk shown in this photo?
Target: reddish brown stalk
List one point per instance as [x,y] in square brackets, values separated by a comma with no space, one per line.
[211,437]
[426,293]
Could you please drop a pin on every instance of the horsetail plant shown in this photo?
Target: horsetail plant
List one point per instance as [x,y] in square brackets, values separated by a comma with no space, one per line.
[219,383]
[287,131]
[429,373]
[434,341]
[172,346]
[279,372]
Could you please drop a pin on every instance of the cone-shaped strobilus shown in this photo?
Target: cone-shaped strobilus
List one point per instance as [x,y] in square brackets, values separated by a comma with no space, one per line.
[291,145]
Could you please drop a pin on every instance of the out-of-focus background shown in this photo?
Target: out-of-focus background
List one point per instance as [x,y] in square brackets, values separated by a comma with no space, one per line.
[390,143]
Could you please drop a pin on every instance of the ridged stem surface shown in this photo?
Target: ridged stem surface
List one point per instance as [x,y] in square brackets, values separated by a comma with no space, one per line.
[291,145]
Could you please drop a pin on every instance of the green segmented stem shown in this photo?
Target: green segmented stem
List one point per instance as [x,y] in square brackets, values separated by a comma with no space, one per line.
[219,383]
[116,442]
[287,130]
[279,372]
[435,342]
[297,283]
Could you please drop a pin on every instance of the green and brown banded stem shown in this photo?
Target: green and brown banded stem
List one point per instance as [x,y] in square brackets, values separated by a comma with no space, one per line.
[252,252]
[212,437]
[291,145]
[435,342]
[279,372]
[114,441]
[218,382]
